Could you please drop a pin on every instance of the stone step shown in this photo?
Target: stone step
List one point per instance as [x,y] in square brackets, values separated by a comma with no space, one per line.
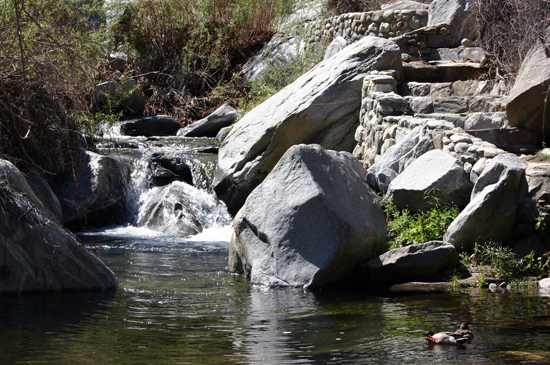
[442,71]
[457,88]
[459,54]
[455,104]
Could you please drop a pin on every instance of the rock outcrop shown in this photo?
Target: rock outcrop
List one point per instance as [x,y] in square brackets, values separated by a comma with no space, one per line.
[158,125]
[528,99]
[181,210]
[311,222]
[322,106]
[128,94]
[38,255]
[421,262]
[96,195]
[433,170]
[491,214]
[222,117]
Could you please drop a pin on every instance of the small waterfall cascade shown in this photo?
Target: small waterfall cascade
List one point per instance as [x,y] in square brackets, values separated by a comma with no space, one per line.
[169,191]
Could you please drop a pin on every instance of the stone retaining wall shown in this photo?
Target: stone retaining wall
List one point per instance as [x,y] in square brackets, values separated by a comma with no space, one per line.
[353,26]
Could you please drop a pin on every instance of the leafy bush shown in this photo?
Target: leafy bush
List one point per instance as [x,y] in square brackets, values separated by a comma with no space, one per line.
[184,49]
[505,265]
[407,229]
[49,51]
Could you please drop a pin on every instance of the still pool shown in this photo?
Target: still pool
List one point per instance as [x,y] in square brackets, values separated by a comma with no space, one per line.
[177,304]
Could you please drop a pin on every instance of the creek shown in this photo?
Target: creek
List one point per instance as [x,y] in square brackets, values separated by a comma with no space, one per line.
[178,304]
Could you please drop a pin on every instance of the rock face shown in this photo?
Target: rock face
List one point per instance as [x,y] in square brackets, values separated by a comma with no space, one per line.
[280,50]
[158,125]
[399,156]
[168,167]
[37,255]
[455,13]
[526,101]
[434,169]
[51,203]
[128,92]
[224,116]
[311,222]
[411,263]
[181,210]
[491,214]
[322,106]
[98,196]
[337,44]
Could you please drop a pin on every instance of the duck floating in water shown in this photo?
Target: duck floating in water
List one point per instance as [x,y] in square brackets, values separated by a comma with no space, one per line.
[461,336]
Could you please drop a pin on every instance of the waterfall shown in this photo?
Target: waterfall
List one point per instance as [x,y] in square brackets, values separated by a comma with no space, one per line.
[169,191]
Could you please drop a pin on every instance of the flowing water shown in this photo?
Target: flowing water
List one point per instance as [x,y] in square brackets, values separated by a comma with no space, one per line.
[177,304]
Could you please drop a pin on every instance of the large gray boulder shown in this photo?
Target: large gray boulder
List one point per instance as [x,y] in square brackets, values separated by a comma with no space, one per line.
[421,262]
[11,177]
[52,206]
[321,106]
[279,51]
[181,210]
[491,214]
[311,222]
[434,169]
[455,14]
[96,195]
[222,117]
[337,44]
[527,101]
[38,255]
[157,125]
[396,158]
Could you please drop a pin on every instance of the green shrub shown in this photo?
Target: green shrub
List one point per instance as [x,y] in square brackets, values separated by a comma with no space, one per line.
[505,265]
[184,49]
[408,228]
[49,51]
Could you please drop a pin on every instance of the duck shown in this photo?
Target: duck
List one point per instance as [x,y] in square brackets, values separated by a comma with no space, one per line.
[465,331]
[445,338]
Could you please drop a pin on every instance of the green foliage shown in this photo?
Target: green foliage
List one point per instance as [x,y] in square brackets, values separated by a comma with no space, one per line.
[543,228]
[279,75]
[542,156]
[408,228]
[49,51]
[187,48]
[505,265]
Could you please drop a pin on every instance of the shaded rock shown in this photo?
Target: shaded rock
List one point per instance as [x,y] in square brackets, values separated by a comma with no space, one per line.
[158,125]
[167,168]
[402,154]
[322,106]
[224,116]
[404,5]
[455,13]
[222,134]
[526,245]
[526,103]
[280,50]
[491,214]
[434,169]
[421,262]
[45,194]
[484,121]
[96,195]
[337,44]
[38,255]
[181,210]
[129,93]
[12,178]
[421,287]
[311,222]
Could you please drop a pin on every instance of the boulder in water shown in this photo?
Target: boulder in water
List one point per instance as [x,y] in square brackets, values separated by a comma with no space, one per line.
[311,222]
[321,106]
[158,125]
[181,210]
[222,117]
[38,255]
